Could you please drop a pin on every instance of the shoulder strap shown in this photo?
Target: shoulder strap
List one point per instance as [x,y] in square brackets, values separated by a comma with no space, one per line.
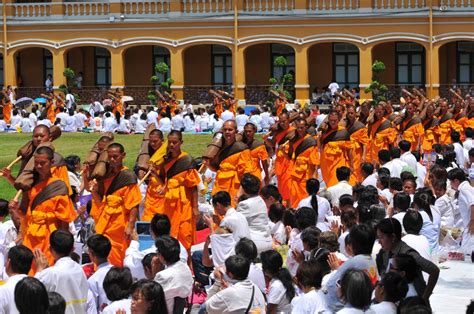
[251,299]
[53,189]
[182,164]
[124,178]
[304,145]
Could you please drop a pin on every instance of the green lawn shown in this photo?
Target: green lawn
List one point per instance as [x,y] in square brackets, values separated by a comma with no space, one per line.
[80,144]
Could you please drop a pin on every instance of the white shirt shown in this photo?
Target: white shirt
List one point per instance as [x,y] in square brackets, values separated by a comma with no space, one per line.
[33,119]
[341,188]
[429,230]
[8,234]
[189,125]
[15,120]
[420,175]
[310,303]
[277,295]
[112,308]
[67,278]
[459,150]
[25,125]
[80,119]
[237,223]
[7,295]
[70,124]
[63,116]
[333,87]
[468,144]
[177,122]
[419,243]
[109,124]
[241,120]
[395,166]
[164,125]
[384,308]
[177,281]
[352,310]
[95,283]
[216,125]
[324,208]
[410,160]
[227,115]
[152,117]
[69,100]
[256,276]
[278,233]
[46,122]
[140,126]
[257,121]
[3,125]
[294,244]
[445,209]
[370,180]
[255,211]
[265,120]
[124,126]
[465,201]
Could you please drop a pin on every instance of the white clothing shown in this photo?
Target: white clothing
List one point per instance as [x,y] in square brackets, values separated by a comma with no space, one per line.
[97,124]
[7,295]
[124,126]
[3,125]
[140,126]
[222,247]
[67,278]
[69,100]
[133,258]
[164,125]
[33,119]
[278,233]
[341,188]
[395,166]
[352,310]
[8,234]
[63,116]
[80,119]
[91,306]
[255,211]
[410,161]
[429,230]
[342,243]
[95,283]
[237,223]
[133,120]
[227,115]
[109,124]
[46,122]
[256,276]
[152,117]
[294,244]
[25,125]
[241,120]
[384,307]
[189,124]
[370,180]
[177,123]
[333,87]
[177,281]
[277,295]
[419,243]
[387,194]
[465,202]
[225,301]
[257,121]
[265,120]
[420,175]
[15,121]
[112,308]
[324,208]
[445,209]
[216,125]
[202,123]
[460,158]
[309,303]
[70,124]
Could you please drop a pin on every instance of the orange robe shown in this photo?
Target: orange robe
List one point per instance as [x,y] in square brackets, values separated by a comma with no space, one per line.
[231,168]
[112,215]
[282,163]
[381,136]
[51,113]
[258,153]
[53,213]
[471,120]
[153,200]
[177,200]
[446,125]
[462,122]
[230,104]
[304,153]
[359,136]
[218,106]
[7,112]
[430,136]
[412,130]
[117,106]
[279,106]
[334,154]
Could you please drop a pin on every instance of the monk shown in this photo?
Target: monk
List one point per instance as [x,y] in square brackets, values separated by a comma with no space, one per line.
[446,123]
[359,141]
[218,106]
[411,128]
[430,126]
[304,161]
[50,110]
[335,149]
[461,118]
[258,152]
[381,133]
[470,112]
[115,201]
[280,103]
[180,180]
[47,205]
[231,162]
[7,108]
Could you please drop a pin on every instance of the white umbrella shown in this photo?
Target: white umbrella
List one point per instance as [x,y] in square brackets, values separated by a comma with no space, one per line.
[127,98]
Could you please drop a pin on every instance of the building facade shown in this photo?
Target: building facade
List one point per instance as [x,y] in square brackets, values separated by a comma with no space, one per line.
[233,44]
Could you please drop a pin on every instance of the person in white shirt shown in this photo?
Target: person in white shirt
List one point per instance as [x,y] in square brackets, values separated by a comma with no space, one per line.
[15,119]
[124,125]
[189,123]
[278,230]
[342,187]
[8,234]
[70,100]
[71,122]
[445,206]
[412,223]
[241,119]
[45,121]
[160,225]
[256,119]
[117,285]
[96,108]
[255,211]
[141,124]
[407,156]
[66,276]
[215,123]
[388,292]
[305,217]
[176,278]
[202,120]
[468,142]
[25,124]
[63,114]
[281,290]
[3,124]
[164,124]
[246,248]
[308,278]
[17,266]
[333,87]
[177,122]
[395,165]
[99,248]
[80,119]
[134,118]
[458,149]
[265,115]
[321,205]
[97,124]
[422,201]
[227,115]
[367,171]
[32,116]
[221,298]
[420,171]
[152,116]
[109,123]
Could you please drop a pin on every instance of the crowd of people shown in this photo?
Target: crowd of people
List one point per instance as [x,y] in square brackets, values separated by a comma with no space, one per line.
[346,212]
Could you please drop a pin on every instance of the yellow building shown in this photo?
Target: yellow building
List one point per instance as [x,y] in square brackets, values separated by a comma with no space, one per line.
[213,43]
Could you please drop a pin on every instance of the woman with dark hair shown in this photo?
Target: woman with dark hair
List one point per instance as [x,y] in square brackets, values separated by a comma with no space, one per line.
[422,202]
[116,285]
[308,278]
[355,290]
[148,297]
[320,205]
[31,296]
[389,233]
[280,285]
[406,266]
[388,293]
[189,123]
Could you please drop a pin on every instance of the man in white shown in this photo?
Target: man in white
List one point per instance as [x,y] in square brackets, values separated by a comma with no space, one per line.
[99,248]
[66,277]
[227,115]
[17,266]
[407,156]
[176,278]
[367,171]
[342,187]
[160,226]
[333,87]
[32,116]
[63,115]
[80,119]
[8,235]
[265,115]
[458,149]
[233,292]
[396,164]
[465,198]
[70,100]
[177,122]
[255,211]
[109,124]
[241,119]
[152,116]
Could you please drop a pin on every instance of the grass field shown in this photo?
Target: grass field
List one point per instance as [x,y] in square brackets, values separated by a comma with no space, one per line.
[80,144]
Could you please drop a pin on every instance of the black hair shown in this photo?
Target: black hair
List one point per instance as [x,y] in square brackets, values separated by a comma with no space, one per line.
[395,152]
[160,225]
[357,190]
[363,238]
[384,156]
[384,180]
[414,305]
[31,296]
[469,132]
[250,184]
[153,293]
[272,264]
[356,288]
[312,188]
[289,218]
[221,197]
[423,199]
[407,175]
[276,212]
[20,258]
[383,170]
[346,200]
[310,274]
[408,264]
[401,201]
[321,256]
[238,266]
[328,240]
[116,145]
[416,154]
[440,184]
[246,248]
[394,286]
[57,304]
[45,150]
[168,247]
[175,133]
[457,174]
[305,217]
[117,283]
[71,162]
[367,168]
[157,132]
[404,145]
[271,191]
[99,245]
[310,236]
[349,217]
[456,137]
[147,260]
[391,227]
[412,222]
[3,207]
[62,242]
[396,184]
[343,173]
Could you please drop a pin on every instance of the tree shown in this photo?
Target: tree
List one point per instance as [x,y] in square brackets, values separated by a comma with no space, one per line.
[163,86]
[377,89]
[280,84]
